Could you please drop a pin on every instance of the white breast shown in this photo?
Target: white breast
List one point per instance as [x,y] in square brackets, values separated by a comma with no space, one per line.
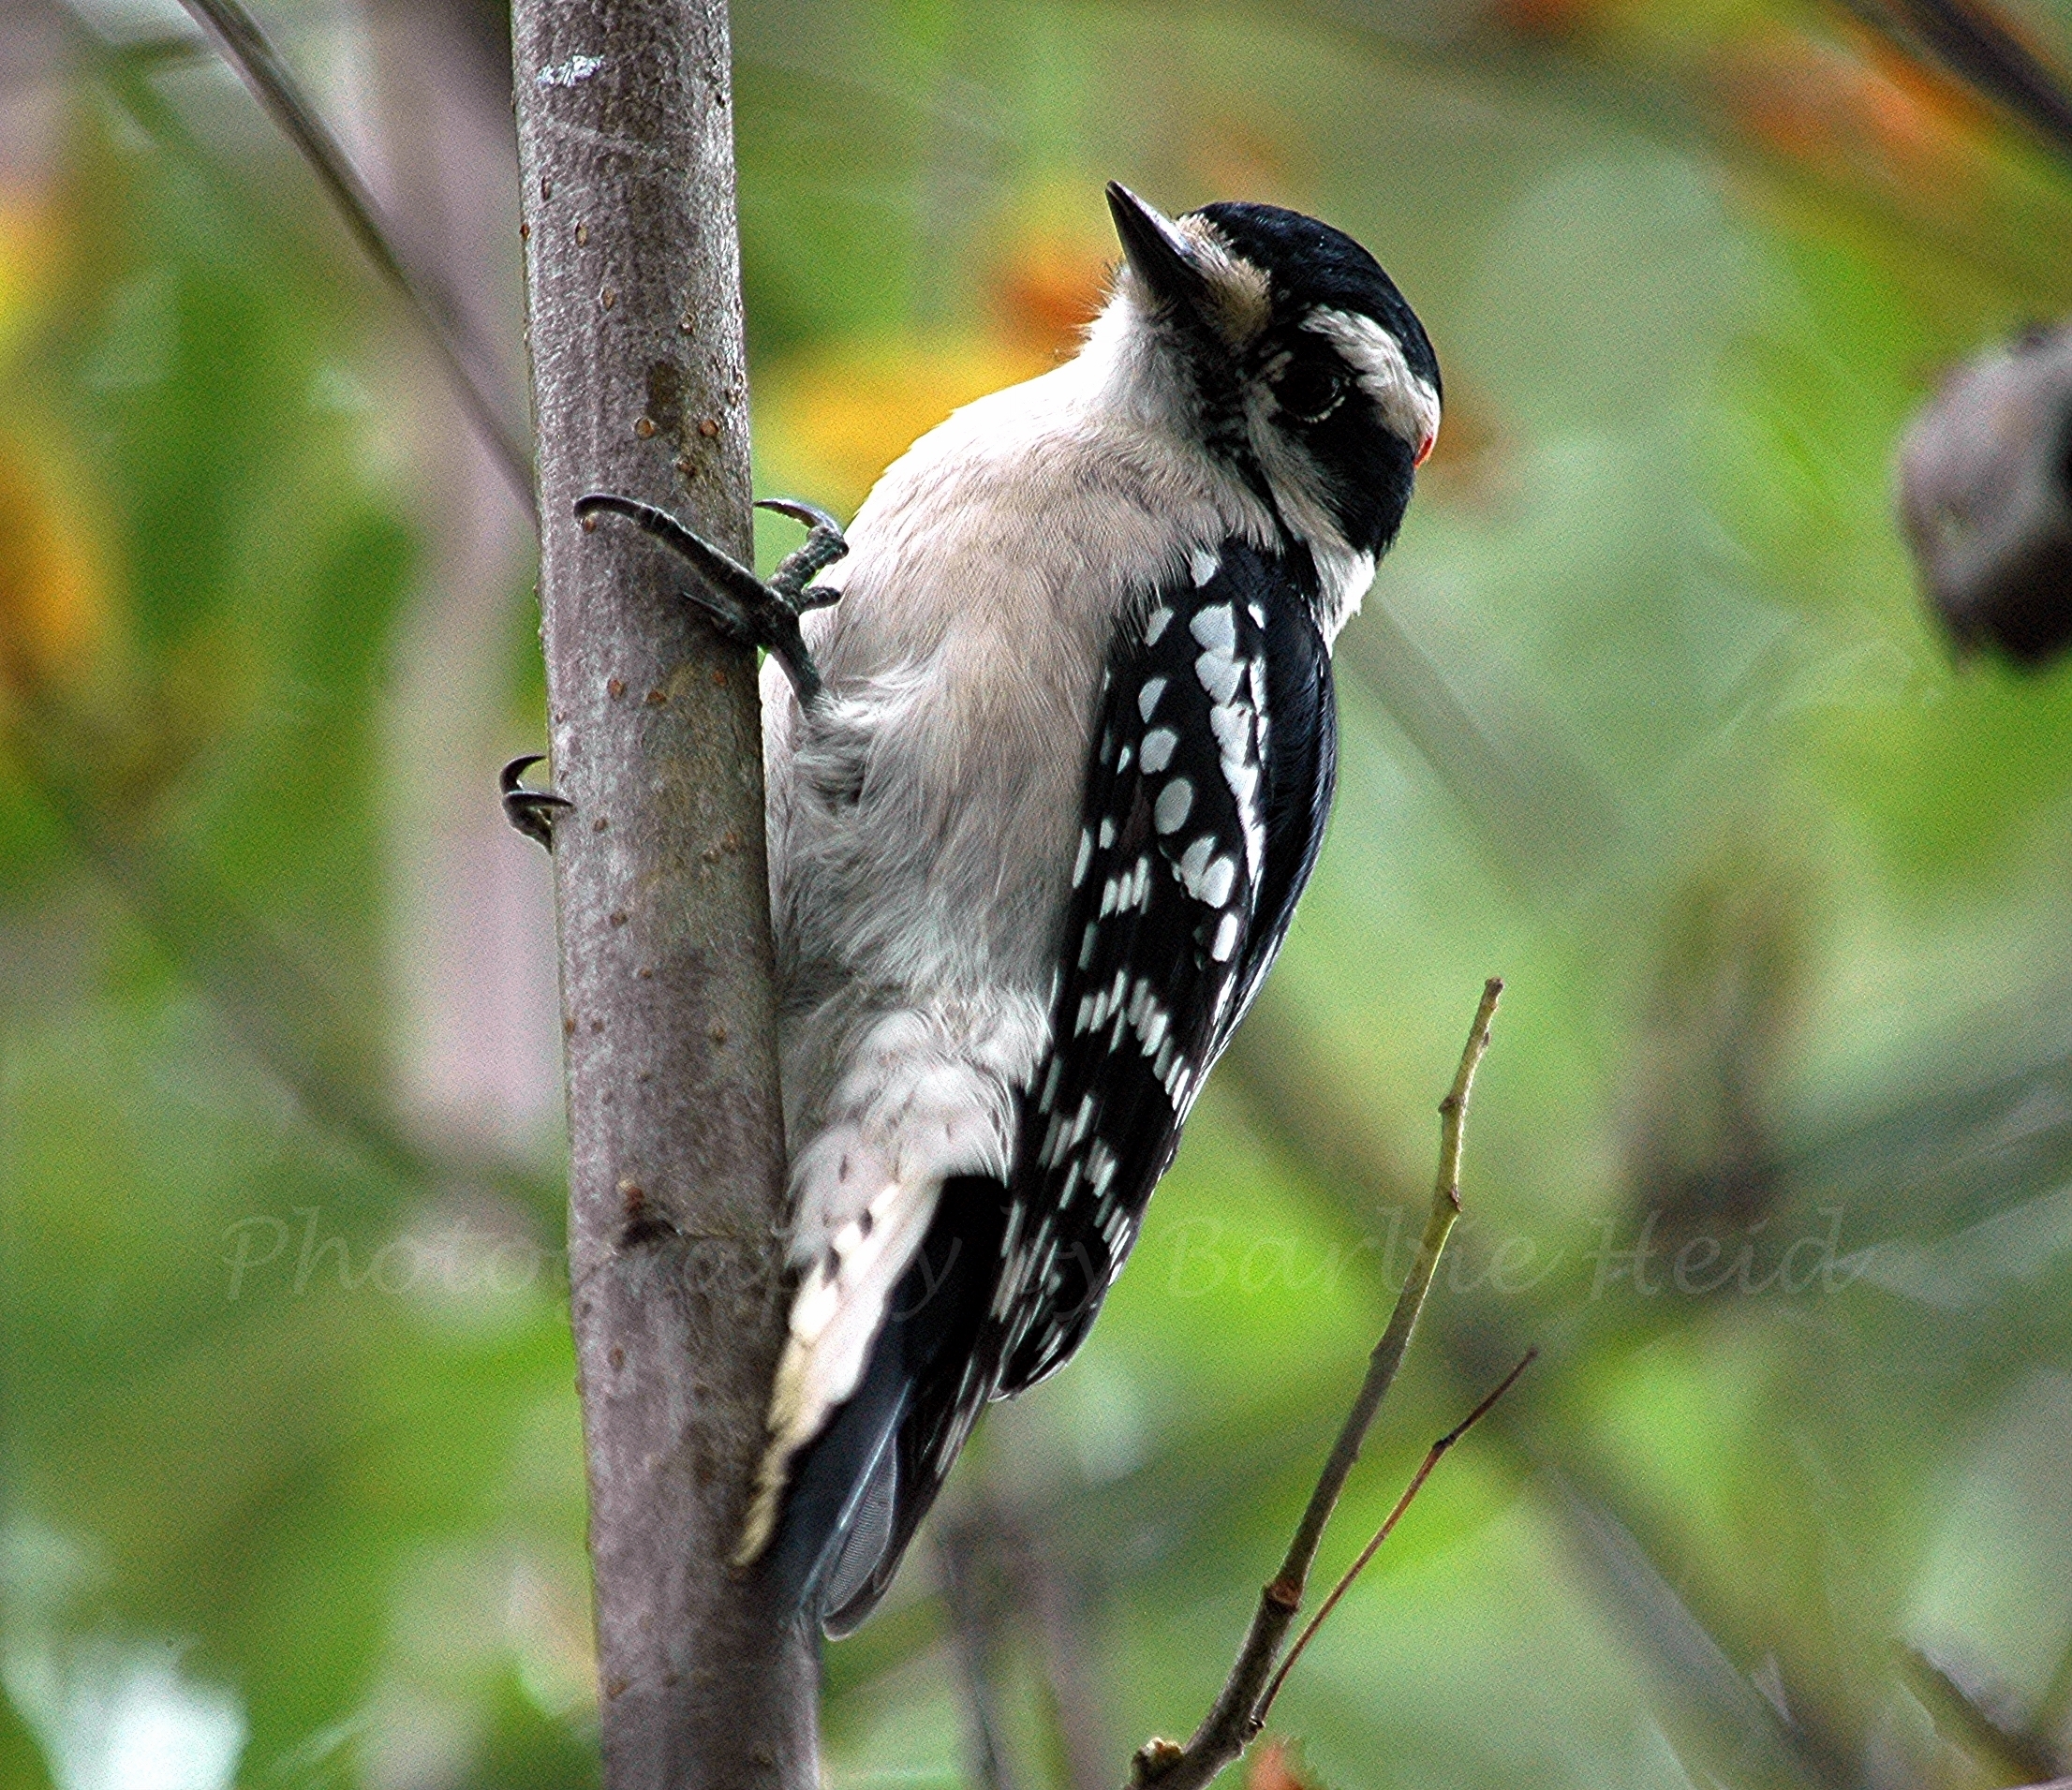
[923,818]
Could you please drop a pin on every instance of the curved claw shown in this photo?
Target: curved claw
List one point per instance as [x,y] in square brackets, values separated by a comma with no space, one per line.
[739,603]
[823,546]
[511,779]
[723,569]
[811,514]
[531,811]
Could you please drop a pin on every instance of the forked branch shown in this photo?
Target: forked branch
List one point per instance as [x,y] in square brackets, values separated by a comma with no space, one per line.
[1241,1708]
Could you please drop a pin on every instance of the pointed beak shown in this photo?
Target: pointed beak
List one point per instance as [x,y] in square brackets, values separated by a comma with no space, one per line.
[1157,253]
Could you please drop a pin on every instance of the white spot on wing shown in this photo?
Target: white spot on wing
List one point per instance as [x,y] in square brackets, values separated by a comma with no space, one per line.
[1203,565]
[1243,780]
[1147,697]
[1231,722]
[1216,627]
[1218,674]
[1157,748]
[1176,802]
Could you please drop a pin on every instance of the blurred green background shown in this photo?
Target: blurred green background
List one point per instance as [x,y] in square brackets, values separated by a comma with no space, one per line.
[1772,1155]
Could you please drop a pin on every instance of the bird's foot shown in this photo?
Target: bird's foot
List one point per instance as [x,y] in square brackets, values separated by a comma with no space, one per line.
[762,614]
[531,811]
[823,546]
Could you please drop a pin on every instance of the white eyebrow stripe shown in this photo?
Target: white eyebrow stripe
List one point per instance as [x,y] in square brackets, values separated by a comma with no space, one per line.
[1407,402]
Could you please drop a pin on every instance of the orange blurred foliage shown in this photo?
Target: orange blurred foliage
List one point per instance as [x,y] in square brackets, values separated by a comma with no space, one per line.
[1275,1767]
[1047,290]
[1545,18]
[1860,108]
[1238,158]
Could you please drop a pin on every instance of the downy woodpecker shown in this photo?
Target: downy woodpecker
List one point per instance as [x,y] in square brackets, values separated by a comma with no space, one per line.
[1045,785]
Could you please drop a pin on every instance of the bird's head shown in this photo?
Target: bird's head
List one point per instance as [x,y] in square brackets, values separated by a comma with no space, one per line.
[1284,345]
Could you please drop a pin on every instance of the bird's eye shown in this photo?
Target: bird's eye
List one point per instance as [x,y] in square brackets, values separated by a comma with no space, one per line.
[1309,390]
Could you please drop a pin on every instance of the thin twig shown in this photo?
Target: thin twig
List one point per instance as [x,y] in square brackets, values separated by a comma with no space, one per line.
[1434,1455]
[2055,1702]
[1962,1715]
[1229,1724]
[246,49]
[1983,50]
[979,1594]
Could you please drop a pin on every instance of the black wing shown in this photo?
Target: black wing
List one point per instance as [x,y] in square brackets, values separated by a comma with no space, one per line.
[1205,808]
[1215,752]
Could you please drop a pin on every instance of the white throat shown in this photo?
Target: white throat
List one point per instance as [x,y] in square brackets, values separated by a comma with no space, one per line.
[1136,378]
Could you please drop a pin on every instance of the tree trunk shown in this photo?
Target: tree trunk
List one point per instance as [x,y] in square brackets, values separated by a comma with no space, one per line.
[674,1120]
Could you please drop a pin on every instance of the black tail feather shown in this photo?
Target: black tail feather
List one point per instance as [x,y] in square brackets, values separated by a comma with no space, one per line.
[863,1486]
[831,1478]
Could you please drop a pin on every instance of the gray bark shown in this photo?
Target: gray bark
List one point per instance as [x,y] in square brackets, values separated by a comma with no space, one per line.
[675,1128]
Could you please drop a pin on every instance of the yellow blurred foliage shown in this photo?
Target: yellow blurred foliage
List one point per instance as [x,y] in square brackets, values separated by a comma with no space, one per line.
[54,594]
[829,421]
[53,597]
[834,419]
[28,233]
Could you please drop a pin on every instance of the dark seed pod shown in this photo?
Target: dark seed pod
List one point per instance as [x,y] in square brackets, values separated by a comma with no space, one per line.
[1985,500]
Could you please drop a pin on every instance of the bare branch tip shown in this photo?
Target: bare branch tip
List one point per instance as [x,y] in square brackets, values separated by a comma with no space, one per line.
[1154,1759]
[1241,1708]
[1485,1010]
[1488,1402]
